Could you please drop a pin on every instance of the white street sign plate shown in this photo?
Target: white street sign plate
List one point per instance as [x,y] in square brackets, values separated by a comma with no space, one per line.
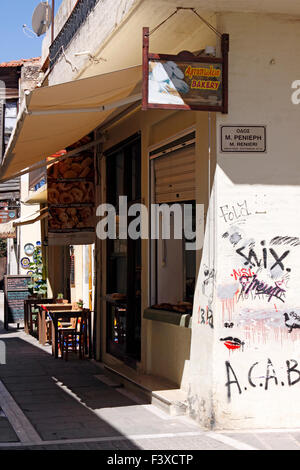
[243,139]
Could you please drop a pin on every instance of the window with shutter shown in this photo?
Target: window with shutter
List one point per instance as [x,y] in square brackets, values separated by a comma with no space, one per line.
[174,170]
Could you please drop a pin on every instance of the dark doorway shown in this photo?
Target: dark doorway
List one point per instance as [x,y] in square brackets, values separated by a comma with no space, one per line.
[123,165]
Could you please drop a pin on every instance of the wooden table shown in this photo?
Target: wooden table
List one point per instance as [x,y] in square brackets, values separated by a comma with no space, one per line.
[43,308]
[68,314]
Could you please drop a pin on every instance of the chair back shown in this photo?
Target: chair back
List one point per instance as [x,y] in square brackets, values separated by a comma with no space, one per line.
[49,315]
[83,320]
[34,302]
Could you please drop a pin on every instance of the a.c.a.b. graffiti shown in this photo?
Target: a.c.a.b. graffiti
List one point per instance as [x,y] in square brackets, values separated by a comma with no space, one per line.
[261,375]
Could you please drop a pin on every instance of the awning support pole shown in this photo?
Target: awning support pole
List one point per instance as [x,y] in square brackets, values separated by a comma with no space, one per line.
[45,163]
[107,107]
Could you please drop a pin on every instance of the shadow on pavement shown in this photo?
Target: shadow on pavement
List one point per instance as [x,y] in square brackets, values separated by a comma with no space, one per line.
[59,397]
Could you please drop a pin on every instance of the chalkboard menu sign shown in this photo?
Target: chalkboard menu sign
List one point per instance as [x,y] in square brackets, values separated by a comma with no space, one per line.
[15,292]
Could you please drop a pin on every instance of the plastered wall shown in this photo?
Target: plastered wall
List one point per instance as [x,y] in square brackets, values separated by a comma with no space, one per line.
[27,233]
[245,341]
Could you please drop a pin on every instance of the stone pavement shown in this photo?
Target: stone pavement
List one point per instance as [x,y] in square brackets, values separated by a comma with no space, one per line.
[50,404]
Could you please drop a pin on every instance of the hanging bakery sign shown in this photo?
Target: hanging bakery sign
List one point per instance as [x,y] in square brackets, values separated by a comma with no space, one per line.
[185,81]
[71,199]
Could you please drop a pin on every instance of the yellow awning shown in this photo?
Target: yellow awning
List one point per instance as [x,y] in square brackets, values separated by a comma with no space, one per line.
[54,117]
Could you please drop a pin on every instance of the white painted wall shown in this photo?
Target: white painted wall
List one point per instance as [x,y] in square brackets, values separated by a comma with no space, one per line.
[264,192]
[12,256]
[27,233]
[100,23]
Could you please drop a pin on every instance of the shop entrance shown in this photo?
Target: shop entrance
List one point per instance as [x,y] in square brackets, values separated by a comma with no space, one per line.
[123,164]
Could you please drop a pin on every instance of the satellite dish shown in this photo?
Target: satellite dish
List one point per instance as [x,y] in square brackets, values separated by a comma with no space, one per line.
[41,18]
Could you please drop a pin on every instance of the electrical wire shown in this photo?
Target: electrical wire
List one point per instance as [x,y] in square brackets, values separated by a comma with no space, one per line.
[26,29]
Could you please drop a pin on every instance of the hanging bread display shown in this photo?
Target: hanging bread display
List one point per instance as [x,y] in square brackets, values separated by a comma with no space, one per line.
[71,194]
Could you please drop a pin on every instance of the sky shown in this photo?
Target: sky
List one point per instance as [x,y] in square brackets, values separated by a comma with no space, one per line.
[14,43]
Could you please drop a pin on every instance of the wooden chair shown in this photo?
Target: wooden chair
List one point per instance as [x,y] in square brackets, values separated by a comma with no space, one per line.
[30,317]
[74,338]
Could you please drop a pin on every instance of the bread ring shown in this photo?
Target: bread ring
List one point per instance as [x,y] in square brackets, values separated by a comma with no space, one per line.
[71,211]
[53,195]
[89,192]
[64,166]
[64,187]
[84,172]
[70,174]
[77,194]
[86,162]
[84,187]
[64,218]
[86,213]
[76,167]
[66,198]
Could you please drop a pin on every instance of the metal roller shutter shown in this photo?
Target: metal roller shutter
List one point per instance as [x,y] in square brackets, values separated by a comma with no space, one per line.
[175,176]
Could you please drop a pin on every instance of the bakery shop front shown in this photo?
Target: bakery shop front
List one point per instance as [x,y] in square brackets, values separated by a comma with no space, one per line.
[146,284]
[159,154]
[143,287]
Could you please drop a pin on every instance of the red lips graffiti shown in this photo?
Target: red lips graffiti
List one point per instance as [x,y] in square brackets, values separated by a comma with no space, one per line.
[232,343]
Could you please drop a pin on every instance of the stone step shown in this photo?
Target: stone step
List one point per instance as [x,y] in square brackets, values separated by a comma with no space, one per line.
[151,389]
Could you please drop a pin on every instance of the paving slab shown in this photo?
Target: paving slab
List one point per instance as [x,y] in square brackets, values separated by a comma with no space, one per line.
[268,439]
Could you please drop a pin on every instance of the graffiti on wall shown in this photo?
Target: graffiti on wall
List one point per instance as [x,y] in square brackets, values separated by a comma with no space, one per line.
[291,320]
[263,259]
[261,375]
[238,273]
[209,276]
[232,343]
[205,314]
[236,212]
[292,241]
[253,284]
[255,292]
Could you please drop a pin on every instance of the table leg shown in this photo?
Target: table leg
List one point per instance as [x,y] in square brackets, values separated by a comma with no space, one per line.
[30,329]
[54,338]
[39,327]
[90,336]
[43,327]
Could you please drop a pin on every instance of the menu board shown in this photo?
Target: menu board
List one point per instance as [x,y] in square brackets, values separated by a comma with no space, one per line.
[71,196]
[15,292]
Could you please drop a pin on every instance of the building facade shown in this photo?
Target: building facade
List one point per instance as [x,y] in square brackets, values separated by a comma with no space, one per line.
[16,77]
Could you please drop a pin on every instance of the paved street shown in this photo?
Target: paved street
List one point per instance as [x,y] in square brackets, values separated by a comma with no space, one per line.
[54,404]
